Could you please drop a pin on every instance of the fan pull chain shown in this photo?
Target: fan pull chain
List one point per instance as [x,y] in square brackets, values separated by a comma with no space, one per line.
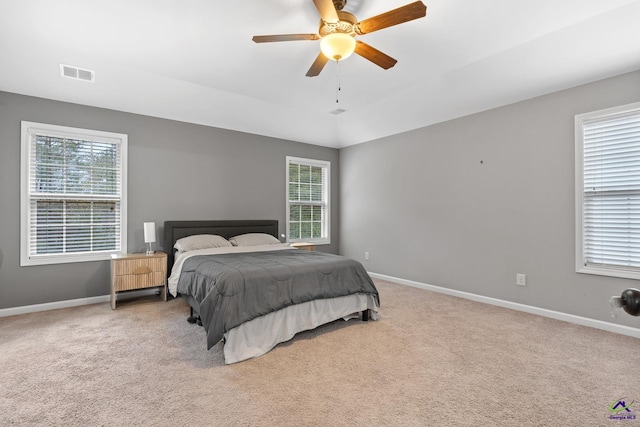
[338,88]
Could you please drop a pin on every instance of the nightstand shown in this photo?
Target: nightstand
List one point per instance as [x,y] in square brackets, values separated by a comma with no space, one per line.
[304,245]
[138,271]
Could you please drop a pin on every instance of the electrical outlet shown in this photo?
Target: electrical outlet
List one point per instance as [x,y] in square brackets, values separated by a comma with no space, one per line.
[366,256]
[521,279]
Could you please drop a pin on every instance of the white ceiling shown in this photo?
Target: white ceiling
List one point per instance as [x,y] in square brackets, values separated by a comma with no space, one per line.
[194,60]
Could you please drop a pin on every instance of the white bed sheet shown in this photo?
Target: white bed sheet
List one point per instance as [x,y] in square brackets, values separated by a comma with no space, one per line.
[180,258]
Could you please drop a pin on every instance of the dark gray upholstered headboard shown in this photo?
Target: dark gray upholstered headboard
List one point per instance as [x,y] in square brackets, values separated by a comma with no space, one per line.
[174,230]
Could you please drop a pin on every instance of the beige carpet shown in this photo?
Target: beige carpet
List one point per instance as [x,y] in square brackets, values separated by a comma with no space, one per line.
[432,360]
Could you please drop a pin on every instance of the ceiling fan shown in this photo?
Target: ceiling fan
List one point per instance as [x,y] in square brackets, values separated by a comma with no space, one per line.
[338,30]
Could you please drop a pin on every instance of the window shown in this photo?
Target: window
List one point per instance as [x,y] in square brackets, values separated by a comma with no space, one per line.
[608,192]
[307,200]
[73,194]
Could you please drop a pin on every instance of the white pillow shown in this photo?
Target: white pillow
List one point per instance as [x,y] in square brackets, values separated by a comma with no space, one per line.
[201,241]
[254,239]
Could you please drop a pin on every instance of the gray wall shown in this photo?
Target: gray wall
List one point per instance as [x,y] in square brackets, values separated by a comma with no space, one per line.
[468,203]
[177,171]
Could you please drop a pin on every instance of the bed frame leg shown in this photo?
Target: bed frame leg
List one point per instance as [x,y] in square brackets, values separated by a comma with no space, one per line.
[194,319]
[365,315]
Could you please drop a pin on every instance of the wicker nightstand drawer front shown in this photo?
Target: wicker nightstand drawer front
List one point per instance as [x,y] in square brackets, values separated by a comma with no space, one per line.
[129,282]
[139,266]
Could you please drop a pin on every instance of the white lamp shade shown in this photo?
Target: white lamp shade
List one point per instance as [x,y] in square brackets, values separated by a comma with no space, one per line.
[337,46]
[149,232]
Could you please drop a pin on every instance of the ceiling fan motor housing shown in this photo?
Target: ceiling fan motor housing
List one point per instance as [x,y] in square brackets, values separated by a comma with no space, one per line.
[346,25]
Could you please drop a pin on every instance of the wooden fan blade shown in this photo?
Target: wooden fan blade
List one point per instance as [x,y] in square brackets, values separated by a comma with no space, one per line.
[317,65]
[397,16]
[327,10]
[285,38]
[374,55]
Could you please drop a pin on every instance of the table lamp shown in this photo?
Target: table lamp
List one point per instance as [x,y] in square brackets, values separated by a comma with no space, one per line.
[149,235]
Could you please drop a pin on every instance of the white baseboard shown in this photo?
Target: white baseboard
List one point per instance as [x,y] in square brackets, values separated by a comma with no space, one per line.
[13,311]
[584,321]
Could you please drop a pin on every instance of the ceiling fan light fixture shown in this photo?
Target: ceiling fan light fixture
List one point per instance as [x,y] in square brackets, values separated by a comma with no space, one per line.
[337,46]
[337,30]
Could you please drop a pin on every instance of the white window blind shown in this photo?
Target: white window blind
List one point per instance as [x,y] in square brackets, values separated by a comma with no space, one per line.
[74,194]
[307,200]
[609,144]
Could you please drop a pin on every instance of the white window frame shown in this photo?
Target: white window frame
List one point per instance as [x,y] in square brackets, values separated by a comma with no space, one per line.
[29,130]
[326,221]
[582,263]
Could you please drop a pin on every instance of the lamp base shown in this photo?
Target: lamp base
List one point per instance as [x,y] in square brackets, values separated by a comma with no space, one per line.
[150,252]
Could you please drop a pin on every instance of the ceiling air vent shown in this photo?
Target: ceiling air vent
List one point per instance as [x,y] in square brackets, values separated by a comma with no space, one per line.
[72,72]
[337,111]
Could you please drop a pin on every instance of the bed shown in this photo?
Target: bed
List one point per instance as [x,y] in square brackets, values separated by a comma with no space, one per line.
[260,292]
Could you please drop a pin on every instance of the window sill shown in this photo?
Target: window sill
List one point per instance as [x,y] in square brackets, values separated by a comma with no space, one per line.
[609,272]
[25,261]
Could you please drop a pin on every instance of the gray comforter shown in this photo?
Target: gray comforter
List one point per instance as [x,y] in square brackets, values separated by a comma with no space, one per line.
[230,289]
